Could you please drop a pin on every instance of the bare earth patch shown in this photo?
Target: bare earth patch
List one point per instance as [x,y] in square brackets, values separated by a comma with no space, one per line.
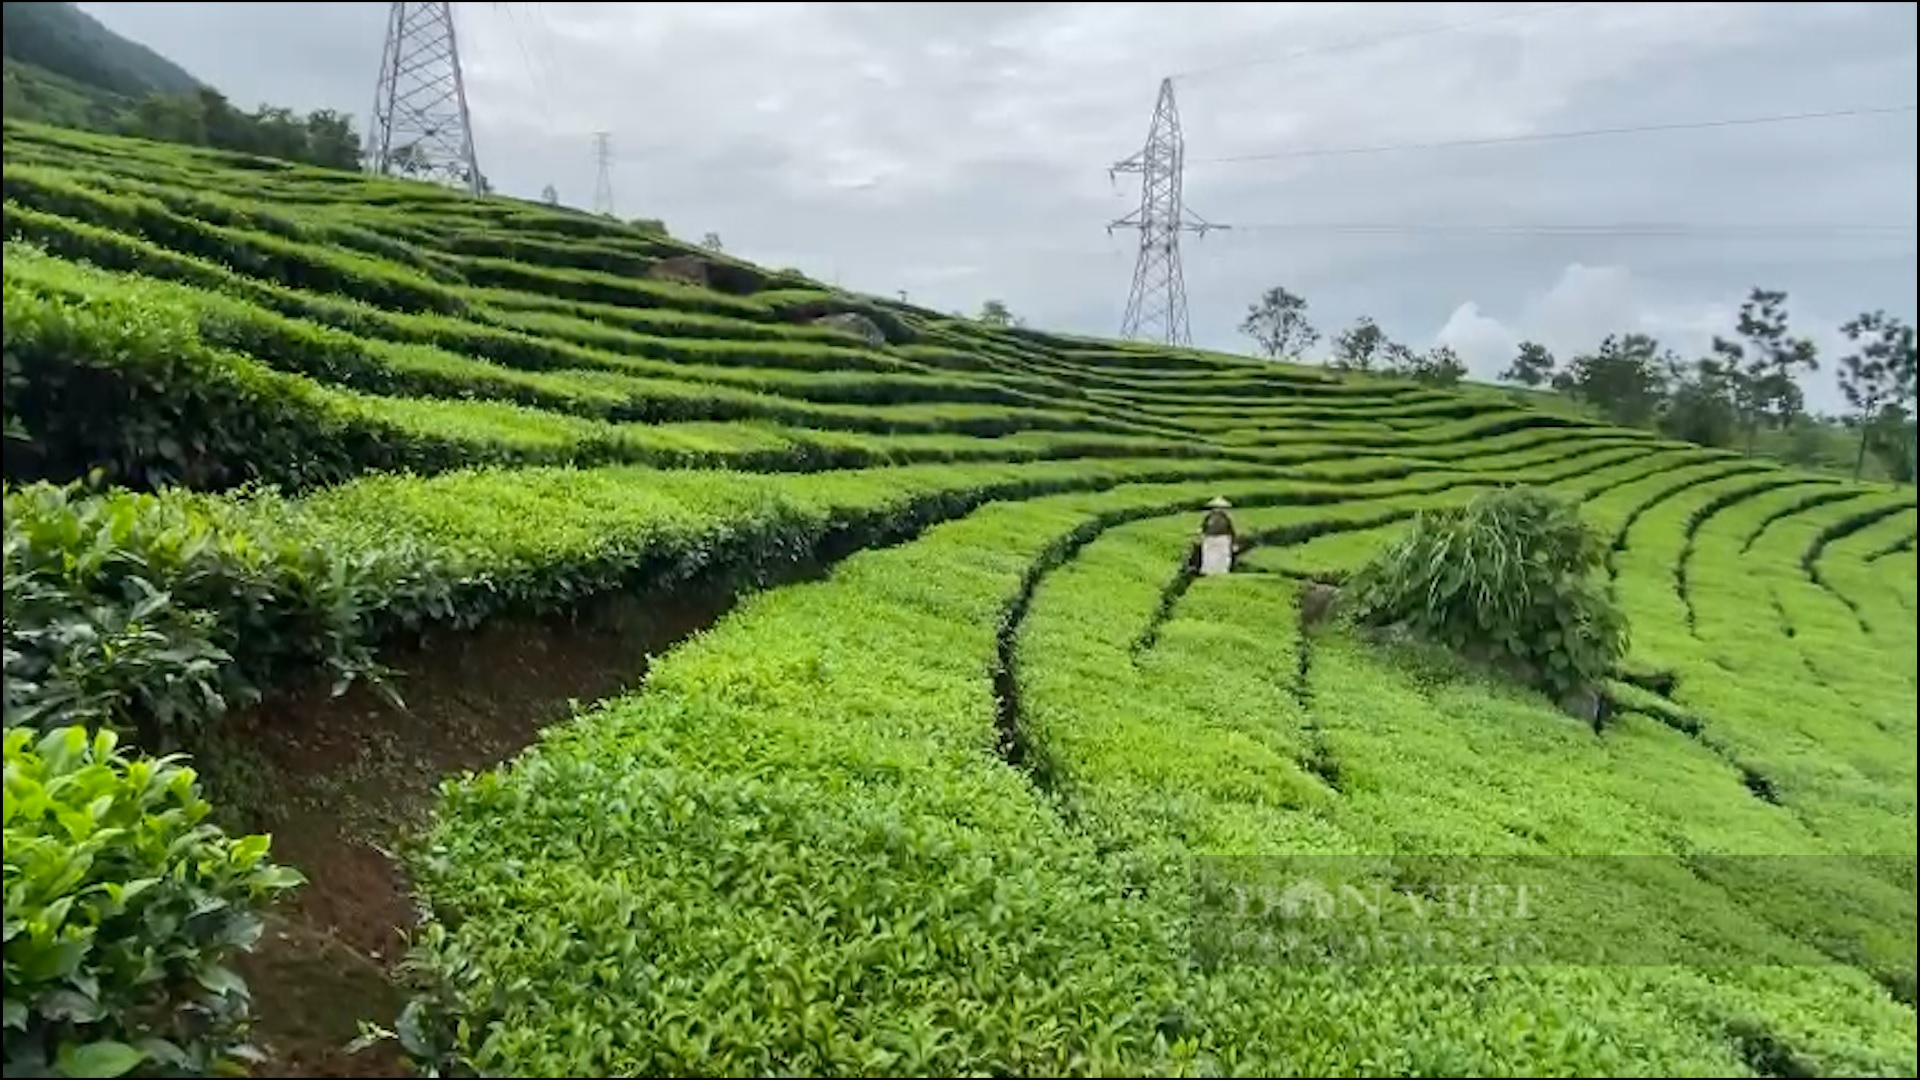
[341,783]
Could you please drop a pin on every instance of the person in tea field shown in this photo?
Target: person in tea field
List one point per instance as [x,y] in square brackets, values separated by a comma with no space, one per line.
[1218,539]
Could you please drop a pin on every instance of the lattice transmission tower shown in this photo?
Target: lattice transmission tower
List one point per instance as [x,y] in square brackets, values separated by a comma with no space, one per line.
[603,179]
[421,127]
[1157,304]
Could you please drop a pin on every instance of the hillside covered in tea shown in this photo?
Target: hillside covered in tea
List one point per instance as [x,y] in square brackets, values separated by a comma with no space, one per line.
[964,772]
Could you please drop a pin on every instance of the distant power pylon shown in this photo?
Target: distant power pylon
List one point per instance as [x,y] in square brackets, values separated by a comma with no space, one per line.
[603,182]
[421,127]
[1157,304]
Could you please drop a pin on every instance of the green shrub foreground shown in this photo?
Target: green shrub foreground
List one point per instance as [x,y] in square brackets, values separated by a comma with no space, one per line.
[123,907]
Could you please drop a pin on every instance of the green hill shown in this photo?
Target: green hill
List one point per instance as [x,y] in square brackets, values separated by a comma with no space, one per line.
[975,779]
[61,39]
[64,68]
[34,93]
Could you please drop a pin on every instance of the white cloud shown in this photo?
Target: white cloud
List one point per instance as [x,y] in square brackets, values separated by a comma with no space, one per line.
[1586,303]
[1484,344]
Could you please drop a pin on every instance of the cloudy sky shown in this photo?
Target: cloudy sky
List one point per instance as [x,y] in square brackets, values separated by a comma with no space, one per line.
[959,151]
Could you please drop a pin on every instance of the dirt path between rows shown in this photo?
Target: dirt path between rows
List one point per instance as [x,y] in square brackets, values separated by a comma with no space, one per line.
[341,782]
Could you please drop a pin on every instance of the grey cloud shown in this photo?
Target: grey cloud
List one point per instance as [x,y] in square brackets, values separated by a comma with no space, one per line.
[959,150]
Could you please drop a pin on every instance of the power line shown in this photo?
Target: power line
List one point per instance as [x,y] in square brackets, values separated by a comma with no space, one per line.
[541,92]
[1634,229]
[1556,136]
[1796,259]
[1381,39]
[1828,255]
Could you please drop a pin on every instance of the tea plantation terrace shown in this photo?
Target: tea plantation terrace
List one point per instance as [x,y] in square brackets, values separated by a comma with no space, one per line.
[992,795]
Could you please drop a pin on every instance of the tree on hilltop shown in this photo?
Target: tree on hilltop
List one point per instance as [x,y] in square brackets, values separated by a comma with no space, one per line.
[1764,364]
[1441,366]
[1626,378]
[1278,323]
[1397,359]
[1357,347]
[1700,406]
[331,141]
[996,313]
[1878,377]
[1438,366]
[1534,366]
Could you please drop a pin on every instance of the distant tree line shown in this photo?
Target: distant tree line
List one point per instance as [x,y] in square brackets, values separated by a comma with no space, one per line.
[1278,323]
[63,67]
[1745,390]
[205,118]
[196,117]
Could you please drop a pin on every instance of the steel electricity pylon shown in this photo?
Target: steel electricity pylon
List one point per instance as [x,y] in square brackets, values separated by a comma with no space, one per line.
[420,126]
[1157,303]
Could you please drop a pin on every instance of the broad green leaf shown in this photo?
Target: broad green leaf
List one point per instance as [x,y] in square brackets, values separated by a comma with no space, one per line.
[102,1058]
[221,980]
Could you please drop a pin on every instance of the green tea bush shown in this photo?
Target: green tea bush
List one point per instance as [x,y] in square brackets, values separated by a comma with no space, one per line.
[600,258]
[929,914]
[1503,578]
[250,214]
[157,612]
[661,322]
[122,382]
[143,663]
[154,613]
[324,433]
[153,355]
[123,908]
[601,288]
[258,254]
[806,305]
[74,239]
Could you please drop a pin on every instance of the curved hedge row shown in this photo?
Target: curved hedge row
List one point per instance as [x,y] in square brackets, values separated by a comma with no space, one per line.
[925,896]
[797,852]
[255,591]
